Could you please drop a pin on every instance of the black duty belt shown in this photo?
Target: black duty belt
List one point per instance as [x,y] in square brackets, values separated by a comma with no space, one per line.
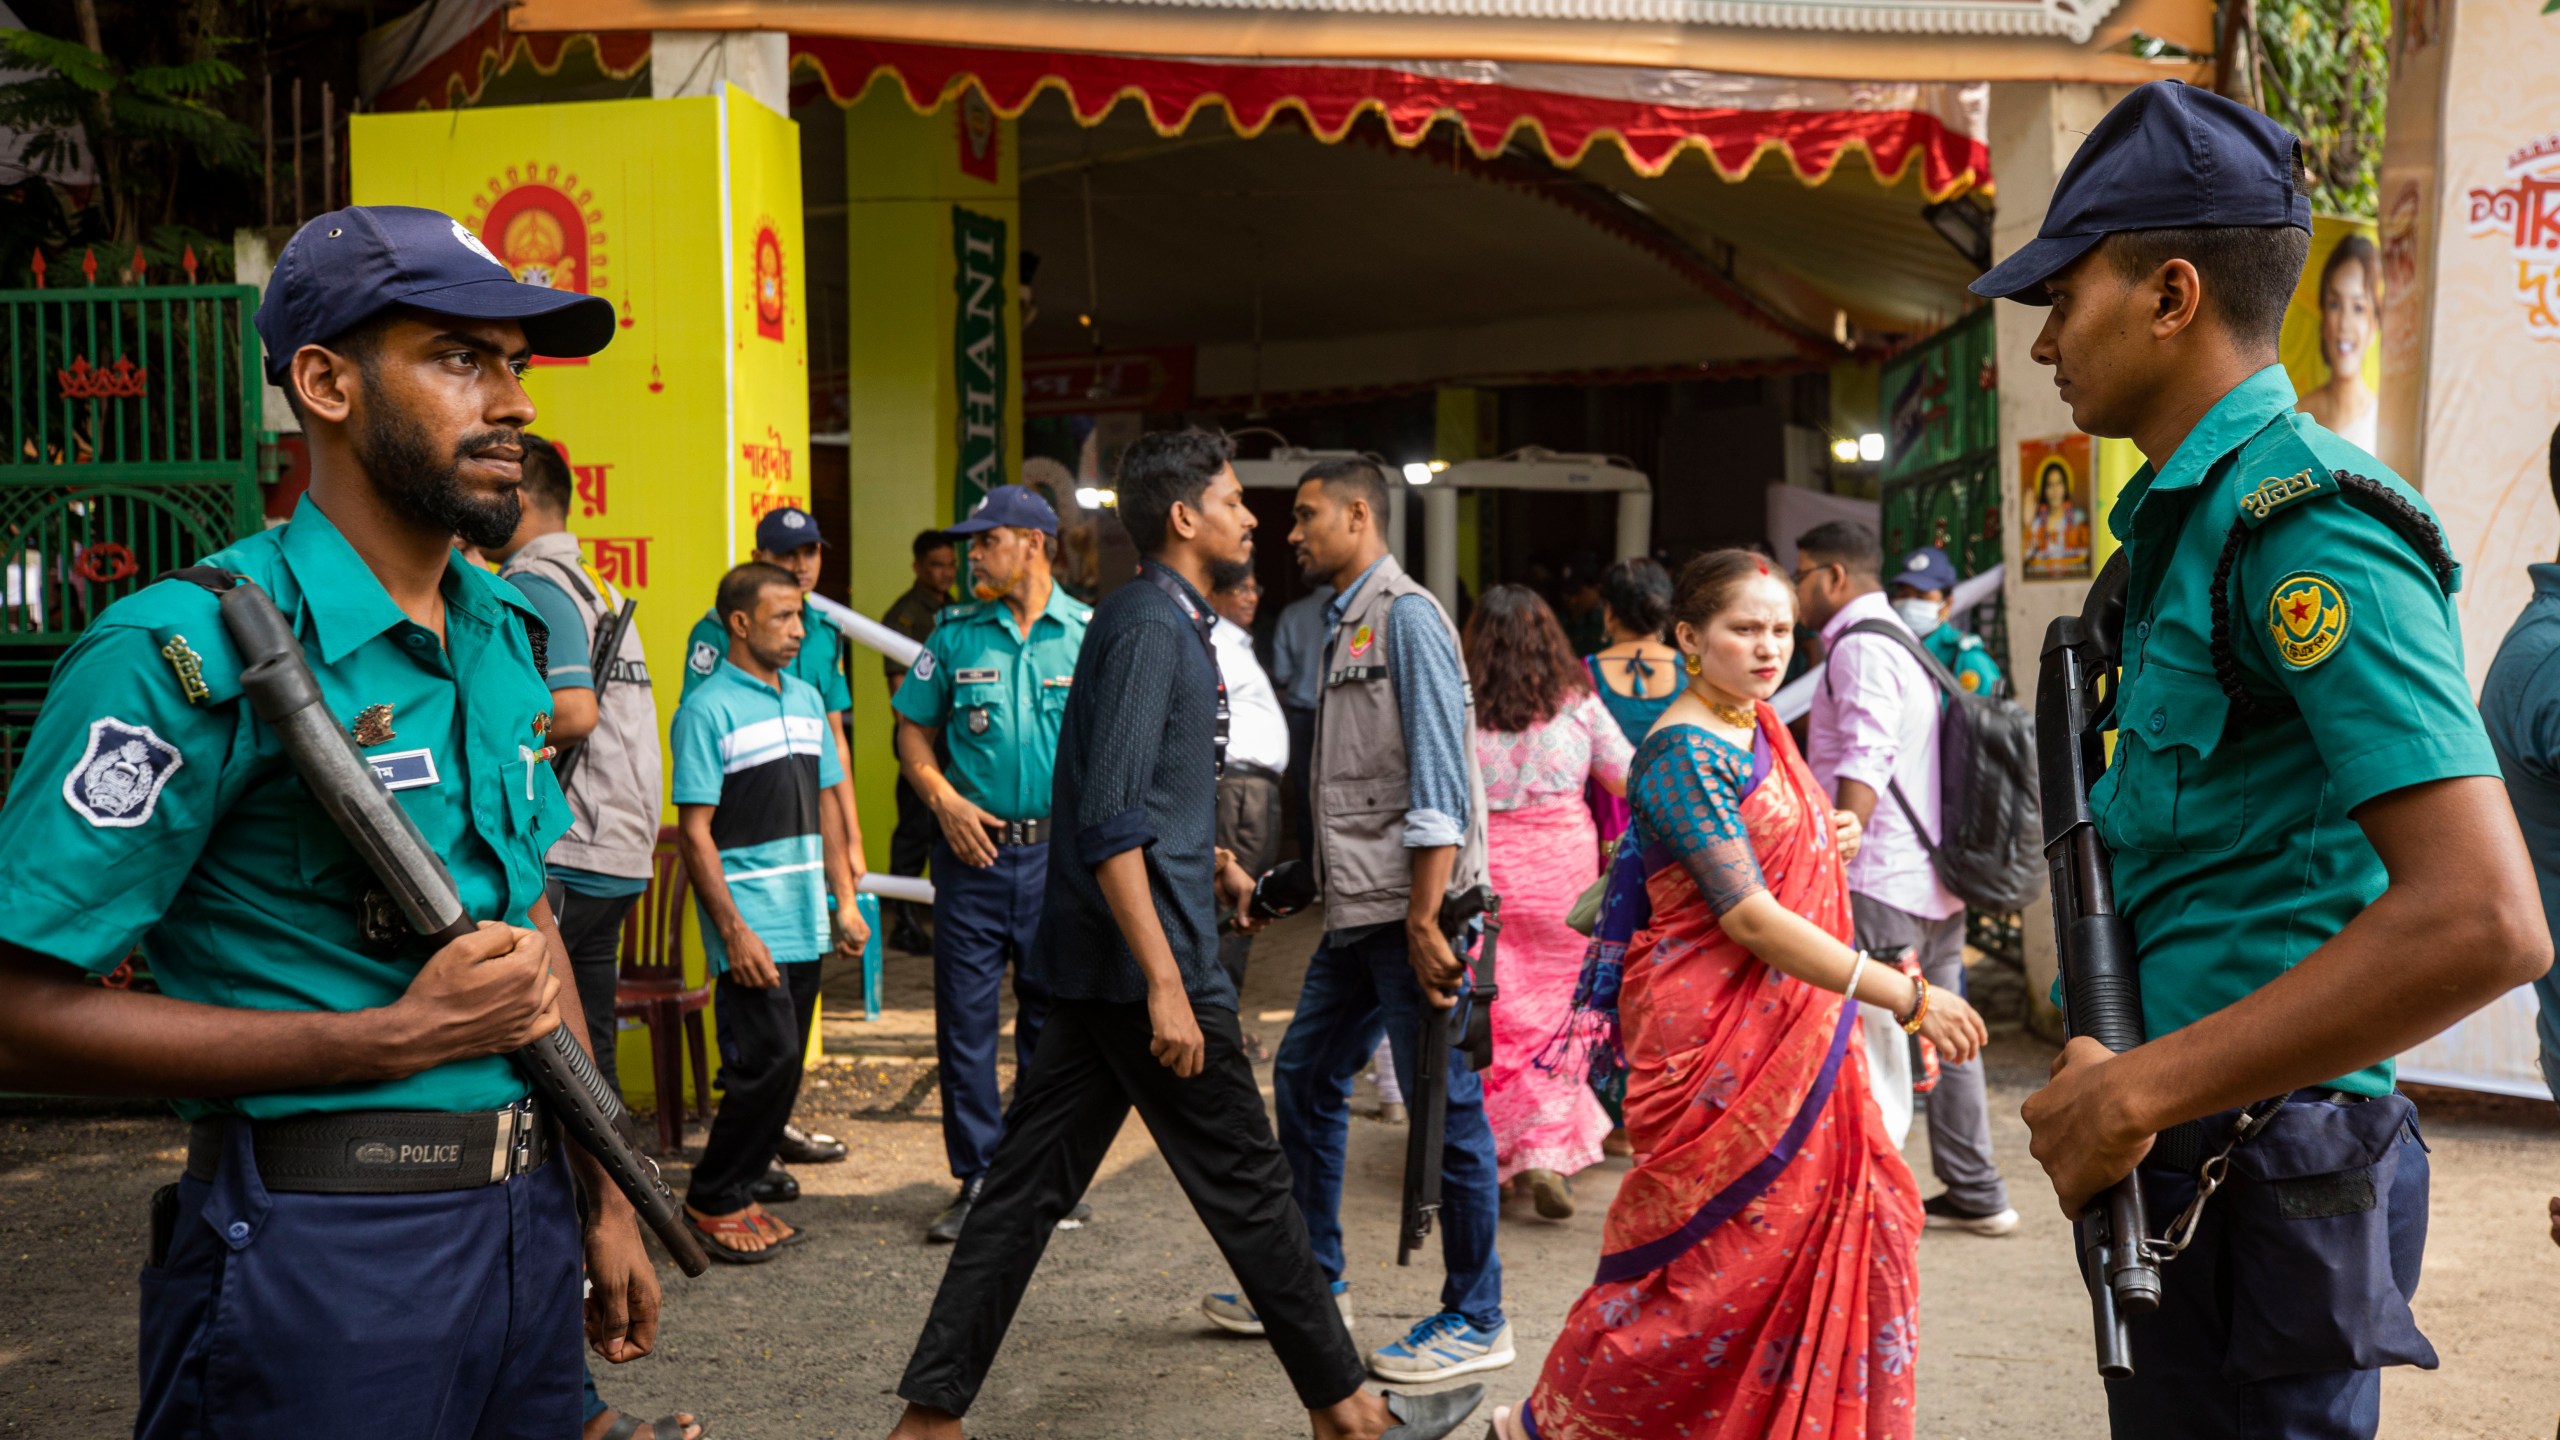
[382,1152]
[1019,832]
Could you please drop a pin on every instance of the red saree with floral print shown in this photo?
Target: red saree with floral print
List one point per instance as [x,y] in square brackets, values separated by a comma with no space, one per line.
[1759,1274]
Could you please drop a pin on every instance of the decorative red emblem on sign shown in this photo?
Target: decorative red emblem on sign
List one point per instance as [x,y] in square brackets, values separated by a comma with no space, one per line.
[104,564]
[769,293]
[123,380]
[980,157]
[546,228]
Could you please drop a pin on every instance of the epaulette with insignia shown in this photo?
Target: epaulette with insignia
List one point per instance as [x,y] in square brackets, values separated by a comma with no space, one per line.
[2275,492]
[960,611]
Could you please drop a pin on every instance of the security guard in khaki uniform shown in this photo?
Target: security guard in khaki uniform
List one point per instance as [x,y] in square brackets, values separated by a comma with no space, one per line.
[374,1234]
[992,685]
[2310,839]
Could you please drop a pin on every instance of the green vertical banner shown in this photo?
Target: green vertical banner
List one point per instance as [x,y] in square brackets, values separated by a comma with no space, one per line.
[978,354]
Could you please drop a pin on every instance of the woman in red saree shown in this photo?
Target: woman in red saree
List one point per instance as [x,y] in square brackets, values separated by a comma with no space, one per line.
[1759,1268]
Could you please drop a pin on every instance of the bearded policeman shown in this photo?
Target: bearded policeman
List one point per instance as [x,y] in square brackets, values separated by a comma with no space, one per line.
[992,683]
[374,1233]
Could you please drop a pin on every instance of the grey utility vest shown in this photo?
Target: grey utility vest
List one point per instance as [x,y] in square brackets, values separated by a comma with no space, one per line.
[1362,783]
[616,795]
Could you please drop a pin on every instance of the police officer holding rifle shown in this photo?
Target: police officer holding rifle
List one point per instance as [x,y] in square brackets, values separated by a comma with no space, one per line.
[2305,835]
[376,1231]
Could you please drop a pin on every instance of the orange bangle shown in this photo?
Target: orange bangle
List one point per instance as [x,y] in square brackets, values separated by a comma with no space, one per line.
[1919,1007]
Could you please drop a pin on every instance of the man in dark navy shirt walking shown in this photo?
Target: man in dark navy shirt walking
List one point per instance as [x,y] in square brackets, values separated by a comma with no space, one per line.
[1144,1015]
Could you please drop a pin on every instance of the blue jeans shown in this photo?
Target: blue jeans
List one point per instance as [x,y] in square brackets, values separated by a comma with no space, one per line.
[1350,991]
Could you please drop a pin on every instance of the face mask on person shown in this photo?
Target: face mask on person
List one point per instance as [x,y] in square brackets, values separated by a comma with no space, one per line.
[1921,615]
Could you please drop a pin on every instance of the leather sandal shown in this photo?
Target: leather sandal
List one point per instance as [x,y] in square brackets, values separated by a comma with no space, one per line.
[716,1231]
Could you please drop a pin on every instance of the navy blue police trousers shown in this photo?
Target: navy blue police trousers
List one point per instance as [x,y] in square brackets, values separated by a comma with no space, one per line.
[2274,1322]
[395,1317]
[982,920]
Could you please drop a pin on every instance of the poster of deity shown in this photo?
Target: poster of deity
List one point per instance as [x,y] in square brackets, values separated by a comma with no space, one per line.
[2331,328]
[2054,473]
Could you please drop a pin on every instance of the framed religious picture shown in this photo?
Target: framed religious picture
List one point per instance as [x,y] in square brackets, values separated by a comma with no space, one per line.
[2054,476]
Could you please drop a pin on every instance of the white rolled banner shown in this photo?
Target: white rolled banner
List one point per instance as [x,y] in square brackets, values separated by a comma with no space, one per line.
[865,630]
[911,888]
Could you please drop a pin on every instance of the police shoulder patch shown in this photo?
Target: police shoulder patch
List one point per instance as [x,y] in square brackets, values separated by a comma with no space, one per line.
[704,658]
[2306,618]
[116,783]
[2275,492]
[924,666]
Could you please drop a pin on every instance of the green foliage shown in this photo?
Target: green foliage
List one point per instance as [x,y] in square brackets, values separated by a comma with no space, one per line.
[2322,69]
[143,127]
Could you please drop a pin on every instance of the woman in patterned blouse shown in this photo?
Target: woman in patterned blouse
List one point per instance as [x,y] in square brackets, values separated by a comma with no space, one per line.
[1540,735]
[1759,1270]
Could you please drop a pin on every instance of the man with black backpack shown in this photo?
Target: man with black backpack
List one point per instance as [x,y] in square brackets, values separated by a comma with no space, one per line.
[1875,730]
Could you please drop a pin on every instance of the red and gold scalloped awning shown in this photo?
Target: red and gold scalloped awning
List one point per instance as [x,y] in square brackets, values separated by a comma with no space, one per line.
[1651,115]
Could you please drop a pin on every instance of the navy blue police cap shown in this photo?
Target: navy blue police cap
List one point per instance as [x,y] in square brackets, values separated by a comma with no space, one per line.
[2168,157]
[787,529]
[1927,568]
[1014,505]
[350,265]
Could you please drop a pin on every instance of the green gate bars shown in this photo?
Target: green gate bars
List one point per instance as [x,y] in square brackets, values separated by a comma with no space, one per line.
[132,450]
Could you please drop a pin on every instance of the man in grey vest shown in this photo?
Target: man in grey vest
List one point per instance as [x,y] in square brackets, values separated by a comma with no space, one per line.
[1399,828]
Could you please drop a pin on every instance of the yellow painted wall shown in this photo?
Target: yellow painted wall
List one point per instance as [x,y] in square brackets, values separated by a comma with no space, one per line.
[693,421]
[903,180]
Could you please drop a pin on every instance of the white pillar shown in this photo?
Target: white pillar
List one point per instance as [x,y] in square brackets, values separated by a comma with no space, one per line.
[699,62]
[1399,506]
[1635,523]
[2035,130]
[1440,534]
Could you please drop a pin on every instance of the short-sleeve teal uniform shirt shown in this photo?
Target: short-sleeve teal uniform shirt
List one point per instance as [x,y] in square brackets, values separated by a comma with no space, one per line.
[761,754]
[113,811]
[820,661]
[2235,851]
[998,697]
[1964,654]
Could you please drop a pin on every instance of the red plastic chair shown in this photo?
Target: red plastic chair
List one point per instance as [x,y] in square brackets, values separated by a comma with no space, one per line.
[652,990]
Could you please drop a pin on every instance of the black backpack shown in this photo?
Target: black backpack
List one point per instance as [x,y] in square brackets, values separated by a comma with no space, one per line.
[1990,845]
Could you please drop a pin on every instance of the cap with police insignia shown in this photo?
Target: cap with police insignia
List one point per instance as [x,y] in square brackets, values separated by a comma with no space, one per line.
[1015,505]
[1927,568]
[350,265]
[784,530]
[2168,157]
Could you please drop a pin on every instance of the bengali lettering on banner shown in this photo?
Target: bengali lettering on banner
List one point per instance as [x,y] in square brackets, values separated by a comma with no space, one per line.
[769,329]
[2469,241]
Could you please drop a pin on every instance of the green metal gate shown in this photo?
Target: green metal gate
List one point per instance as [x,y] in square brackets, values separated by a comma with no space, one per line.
[133,449]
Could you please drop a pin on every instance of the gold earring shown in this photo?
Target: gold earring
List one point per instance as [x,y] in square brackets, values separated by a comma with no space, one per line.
[1692,664]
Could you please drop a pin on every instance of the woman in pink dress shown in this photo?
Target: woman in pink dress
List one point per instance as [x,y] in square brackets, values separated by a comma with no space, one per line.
[1759,1272]
[1540,734]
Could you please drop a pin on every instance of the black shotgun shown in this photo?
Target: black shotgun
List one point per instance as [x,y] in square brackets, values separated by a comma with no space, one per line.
[1428,1104]
[277,678]
[600,661]
[2101,988]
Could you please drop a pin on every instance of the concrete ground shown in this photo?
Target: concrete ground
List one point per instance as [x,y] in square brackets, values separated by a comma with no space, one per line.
[1109,1341]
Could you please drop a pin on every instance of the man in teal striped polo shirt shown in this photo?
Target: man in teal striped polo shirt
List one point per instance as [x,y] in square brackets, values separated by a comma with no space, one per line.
[752,755]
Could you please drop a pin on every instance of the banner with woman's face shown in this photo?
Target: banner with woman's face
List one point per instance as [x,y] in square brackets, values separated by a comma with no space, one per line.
[2331,329]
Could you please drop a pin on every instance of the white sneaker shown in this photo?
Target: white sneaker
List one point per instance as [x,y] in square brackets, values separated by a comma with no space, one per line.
[1230,1311]
[1442,1347]
[1945,1214]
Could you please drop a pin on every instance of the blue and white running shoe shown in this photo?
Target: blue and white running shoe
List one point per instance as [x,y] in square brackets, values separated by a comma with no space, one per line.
[1232,1313]
[1442,1348]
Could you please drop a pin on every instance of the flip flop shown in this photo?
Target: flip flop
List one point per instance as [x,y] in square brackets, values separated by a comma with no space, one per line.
[766,1221]
[709,1232]
[665,1427]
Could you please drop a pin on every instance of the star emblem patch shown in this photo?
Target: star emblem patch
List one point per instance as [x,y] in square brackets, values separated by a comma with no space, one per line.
[2307,618]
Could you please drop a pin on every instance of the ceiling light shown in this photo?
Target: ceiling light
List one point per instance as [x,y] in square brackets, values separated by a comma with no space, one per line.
[1085,320]
[1439,465]
[1417,472]
[1092,497]
[1871,447]
[1845,450]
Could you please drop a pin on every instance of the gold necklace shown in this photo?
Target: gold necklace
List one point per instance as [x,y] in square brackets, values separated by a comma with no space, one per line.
[1738,716]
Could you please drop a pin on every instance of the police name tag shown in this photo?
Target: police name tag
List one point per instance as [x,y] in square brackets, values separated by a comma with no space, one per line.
[987,676]
[1354,674]
[407,770]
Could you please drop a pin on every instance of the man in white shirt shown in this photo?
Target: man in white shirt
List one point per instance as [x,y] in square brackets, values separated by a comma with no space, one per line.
[1872,740]
[1257,758]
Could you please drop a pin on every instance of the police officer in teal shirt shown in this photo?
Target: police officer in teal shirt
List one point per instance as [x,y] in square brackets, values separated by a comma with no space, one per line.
[2310,842]
[1920,586]
[991,683]
[375,1232]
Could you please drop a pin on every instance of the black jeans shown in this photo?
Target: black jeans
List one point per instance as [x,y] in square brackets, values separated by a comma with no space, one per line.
[911,843]
[591,928]
[1092,1066]
[763,1034]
